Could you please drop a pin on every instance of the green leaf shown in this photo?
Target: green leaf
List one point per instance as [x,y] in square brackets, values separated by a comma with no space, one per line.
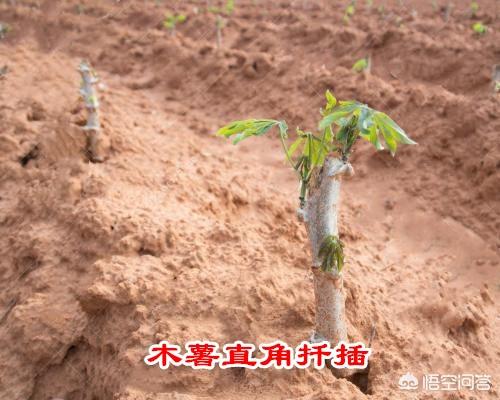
[331,118]
[283,127]
[479,28]
[295,145]
[328,135]
[331,101]
[371,135]
[392,132]
[229,8]
[398,132]
[365,118]
[318,152]
[360,65]
[246,128]
[343,109]
[391,143]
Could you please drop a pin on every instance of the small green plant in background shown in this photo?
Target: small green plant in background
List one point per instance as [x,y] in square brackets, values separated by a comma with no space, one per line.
[171,20]
[361,65]
[229,8]
[4,29]
[479,28]
[349,12]
[80,9]
[474,8]
[3,71]
[220,21]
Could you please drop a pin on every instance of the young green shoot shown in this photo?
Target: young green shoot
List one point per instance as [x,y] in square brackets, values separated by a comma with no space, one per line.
[171,20]
[479,28]
[343,123]
[474,8]
[361,65]
[229,7]
[331,252]
[349,12]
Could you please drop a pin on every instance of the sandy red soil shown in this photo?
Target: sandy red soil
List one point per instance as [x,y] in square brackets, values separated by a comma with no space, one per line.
[179,235]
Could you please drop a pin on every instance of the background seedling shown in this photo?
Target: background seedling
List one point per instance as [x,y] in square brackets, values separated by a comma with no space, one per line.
[80,9]
[4,29]
[362,65]
[349,12]
[229,8]
[172,20]
[322,159]
[220,21]
[474,8]
[3,71]
[479,28]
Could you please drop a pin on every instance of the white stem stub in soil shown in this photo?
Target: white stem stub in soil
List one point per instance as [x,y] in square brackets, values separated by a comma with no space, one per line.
[89,94]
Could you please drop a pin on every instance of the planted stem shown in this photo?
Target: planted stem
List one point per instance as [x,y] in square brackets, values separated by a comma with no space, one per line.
[89,94]
[323,161]
[320,217]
